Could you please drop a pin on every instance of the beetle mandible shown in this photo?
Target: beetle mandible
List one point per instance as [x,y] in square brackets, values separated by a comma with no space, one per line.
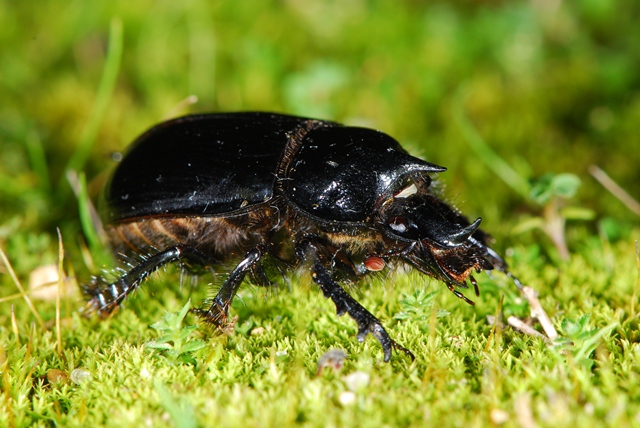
[259,189]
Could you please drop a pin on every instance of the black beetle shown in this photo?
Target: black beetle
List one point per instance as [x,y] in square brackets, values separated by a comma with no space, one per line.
[263,189]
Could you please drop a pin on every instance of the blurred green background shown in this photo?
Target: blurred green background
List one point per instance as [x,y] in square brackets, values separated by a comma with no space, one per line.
[551,86]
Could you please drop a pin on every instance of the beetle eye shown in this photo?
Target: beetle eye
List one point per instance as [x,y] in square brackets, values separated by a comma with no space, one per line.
[398,224]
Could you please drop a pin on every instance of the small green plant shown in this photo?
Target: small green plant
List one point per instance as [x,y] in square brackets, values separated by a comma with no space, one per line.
[549,192]
[418,306]
[582,340]
[174,342]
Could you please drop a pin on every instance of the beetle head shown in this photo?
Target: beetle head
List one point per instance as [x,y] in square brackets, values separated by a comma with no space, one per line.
[433,237]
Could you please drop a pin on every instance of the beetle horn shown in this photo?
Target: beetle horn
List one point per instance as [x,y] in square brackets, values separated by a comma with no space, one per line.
[465,233]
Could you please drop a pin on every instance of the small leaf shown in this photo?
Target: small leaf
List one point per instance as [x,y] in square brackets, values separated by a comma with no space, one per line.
[158,345]
[548,185]
[541,190]
[577,213]
[193,346]
[565,185]
[529,224]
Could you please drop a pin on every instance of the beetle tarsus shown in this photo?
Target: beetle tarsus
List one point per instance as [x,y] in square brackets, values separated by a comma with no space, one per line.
[402,349]
[217,317]
[459,295]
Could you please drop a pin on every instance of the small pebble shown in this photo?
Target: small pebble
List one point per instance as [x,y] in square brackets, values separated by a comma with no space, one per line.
[357,380]
[347,398]
[55,376]
[79,376]
[499,416]
[333,358]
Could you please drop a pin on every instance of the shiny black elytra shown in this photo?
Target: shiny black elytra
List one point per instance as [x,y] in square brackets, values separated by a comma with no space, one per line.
[266,190]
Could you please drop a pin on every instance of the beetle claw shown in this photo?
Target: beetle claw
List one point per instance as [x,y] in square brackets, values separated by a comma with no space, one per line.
[217,318]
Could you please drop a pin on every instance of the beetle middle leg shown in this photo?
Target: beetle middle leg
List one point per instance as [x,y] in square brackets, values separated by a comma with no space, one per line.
[217,312]
[366,321]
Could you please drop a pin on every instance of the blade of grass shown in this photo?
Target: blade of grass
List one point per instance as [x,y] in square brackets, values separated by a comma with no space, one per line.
[613,187]
[14,325]
[634,296]
[11,297]
[496,329]
[38,159]
[490,158]
[6,388]
[89,218]
[103,96]
[60,285]
[24,294]
[182,105]
[539,313]
[181,412]
[590,344]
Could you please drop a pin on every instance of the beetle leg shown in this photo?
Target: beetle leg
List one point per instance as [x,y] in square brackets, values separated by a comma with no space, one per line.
[105,298]
[367,322]
[217,312]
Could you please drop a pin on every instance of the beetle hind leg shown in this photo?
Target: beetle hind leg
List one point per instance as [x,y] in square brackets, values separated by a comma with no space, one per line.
[104,298]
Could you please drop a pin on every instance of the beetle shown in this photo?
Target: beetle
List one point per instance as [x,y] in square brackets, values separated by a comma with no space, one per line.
[260,189]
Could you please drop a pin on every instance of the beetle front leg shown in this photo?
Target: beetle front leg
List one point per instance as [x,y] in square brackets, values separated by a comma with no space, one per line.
[217,314]
[366,321]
